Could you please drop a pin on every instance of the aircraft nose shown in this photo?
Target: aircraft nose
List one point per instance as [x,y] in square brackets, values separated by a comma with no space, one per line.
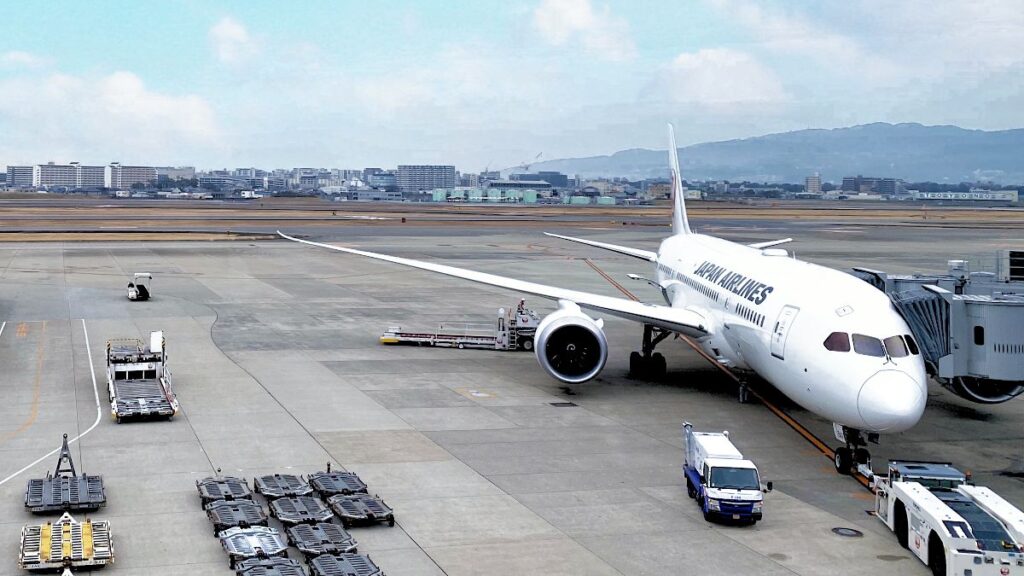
[891,401]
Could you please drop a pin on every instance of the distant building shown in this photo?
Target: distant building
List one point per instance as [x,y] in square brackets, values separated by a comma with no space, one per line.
[556,179]
[72,176]
[469,180]
[519,184]
[19,176]
[413,178]
[123,177]
[385,180]
[812,184]
[165,173]
[367,172]
[884,186]
[975,195]
[490,175]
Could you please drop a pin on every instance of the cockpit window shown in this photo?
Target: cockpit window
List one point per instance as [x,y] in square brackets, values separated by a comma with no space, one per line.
[868,346]
[838,342]
[895,347]
[911,344]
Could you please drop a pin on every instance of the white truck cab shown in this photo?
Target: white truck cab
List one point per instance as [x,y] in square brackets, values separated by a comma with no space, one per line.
[724,483]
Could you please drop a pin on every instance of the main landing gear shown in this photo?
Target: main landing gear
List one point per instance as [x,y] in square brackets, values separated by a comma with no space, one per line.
[855,453]
[647,363]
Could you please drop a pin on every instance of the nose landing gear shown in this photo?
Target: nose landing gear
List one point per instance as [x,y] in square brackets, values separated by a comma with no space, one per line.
[854,454]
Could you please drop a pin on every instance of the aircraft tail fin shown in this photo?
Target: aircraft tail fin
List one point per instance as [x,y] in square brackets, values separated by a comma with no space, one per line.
[680,224]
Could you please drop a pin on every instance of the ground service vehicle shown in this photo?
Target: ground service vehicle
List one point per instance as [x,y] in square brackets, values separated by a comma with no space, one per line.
[724,484]
[515,330]
[138,380]
[138,286]
[950,525]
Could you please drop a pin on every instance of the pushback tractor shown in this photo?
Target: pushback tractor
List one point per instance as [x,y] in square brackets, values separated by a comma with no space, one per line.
[955,528]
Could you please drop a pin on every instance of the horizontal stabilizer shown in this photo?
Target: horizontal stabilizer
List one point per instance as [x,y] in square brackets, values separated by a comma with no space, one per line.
[634,252]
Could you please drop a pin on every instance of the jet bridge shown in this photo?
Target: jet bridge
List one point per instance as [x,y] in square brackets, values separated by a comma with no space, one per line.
[967,324]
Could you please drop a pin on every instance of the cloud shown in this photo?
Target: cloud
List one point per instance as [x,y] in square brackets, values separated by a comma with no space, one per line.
[20,59]
[231,41]
[719,77]
[599,32]
[64,117]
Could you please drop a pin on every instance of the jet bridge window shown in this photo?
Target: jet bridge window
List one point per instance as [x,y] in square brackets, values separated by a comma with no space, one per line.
[838,342]
[895,347]
[868,346]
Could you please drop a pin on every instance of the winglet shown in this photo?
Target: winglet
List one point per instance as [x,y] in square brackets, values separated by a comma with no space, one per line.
[680,224]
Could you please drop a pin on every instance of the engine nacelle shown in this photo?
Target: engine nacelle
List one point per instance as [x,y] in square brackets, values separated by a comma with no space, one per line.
[570,345]
[983,390]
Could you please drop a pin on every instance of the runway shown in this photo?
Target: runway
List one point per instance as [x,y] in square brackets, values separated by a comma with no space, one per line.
[278,369]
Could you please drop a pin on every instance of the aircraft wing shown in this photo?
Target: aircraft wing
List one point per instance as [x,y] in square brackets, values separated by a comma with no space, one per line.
[634,252]
[679,320]
[770,243]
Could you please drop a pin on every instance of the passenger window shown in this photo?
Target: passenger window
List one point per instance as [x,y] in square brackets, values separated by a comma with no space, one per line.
[979,335]
[911,344]
[868,346]
[895,347]
[838,342]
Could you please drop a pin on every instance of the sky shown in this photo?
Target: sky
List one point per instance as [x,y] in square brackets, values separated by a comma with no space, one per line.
[486,83]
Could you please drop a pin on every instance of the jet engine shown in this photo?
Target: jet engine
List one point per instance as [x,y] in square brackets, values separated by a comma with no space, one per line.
[983,390]
[570,345]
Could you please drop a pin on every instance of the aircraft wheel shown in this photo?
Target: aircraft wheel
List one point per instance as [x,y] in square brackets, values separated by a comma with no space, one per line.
[861,456]
[658,366]
[843,460]
[636,365]
[528,344]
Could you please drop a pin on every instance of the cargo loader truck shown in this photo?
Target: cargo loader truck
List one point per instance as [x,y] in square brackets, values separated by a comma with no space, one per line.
[724,484]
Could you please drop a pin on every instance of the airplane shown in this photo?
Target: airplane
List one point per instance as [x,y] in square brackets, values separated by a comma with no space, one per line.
[829,341]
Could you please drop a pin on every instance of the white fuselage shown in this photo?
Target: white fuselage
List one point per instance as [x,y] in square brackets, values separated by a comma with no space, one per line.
[772,314]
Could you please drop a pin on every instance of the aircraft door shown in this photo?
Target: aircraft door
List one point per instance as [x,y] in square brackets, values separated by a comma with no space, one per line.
[781,331]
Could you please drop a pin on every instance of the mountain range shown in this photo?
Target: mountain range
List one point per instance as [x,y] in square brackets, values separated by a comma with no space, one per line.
[913,152]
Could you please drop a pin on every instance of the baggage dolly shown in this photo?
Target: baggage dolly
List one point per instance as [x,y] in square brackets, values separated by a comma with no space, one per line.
[329,483]
[280,485]
[224,514]
[256,542]
[294,510]
[358,509]
[226,488]
[66,543]
[269,567]
[321,538]
[344,565]
[65,490]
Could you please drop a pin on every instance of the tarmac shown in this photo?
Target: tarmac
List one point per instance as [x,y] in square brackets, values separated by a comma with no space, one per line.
[276,363]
